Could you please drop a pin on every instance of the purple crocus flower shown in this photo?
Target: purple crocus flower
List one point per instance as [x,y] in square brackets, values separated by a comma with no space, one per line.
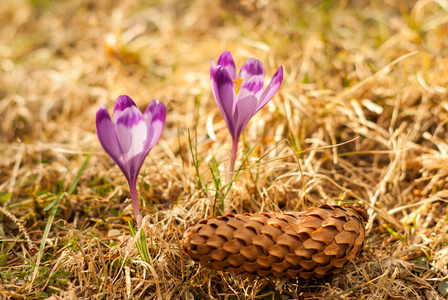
[129,141]
[240,98]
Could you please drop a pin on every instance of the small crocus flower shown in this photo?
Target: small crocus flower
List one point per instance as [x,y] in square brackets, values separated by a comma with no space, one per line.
[240,98]
[130,139]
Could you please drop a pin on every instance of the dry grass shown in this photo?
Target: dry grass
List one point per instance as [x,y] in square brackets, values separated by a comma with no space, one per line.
[372,71]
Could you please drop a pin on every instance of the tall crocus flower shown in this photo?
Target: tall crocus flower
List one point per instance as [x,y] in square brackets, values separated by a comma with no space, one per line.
[240,98]
[129,141]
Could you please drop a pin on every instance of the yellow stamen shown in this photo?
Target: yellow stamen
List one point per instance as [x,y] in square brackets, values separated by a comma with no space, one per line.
[238,82]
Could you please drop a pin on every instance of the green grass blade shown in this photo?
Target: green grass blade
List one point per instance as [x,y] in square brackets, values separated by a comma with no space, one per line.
[144,247]
[45,236]
[4,255]
[194,158]
[137,244]
[26,259]
[75,182]
[54,208]
[72,186]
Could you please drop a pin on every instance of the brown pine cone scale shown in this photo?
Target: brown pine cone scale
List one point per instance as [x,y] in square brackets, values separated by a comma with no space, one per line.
[312,243]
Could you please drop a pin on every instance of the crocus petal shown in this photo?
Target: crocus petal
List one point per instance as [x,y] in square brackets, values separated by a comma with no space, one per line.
[226,61]
[107,136]
[155,115]
[271,89]
[213,70]
[246,104]
[215,92]
[226,98]
[132,132]
[245,108]
[121,104]
[252,86]
[251,67]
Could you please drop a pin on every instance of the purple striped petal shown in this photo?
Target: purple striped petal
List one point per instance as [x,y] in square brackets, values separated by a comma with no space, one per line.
[226,98]
[214,85]
[226,61]
[107,136]
[132,132]
[252,86]
[251,67]
[271,89]
[215,92]
[155,115]
[245,108]
[121,104]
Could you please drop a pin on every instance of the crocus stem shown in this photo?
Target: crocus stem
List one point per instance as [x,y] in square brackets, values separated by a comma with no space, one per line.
[233,158]
[133,189]
[230,175]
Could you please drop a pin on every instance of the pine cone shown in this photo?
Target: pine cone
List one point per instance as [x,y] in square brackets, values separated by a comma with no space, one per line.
[313,243]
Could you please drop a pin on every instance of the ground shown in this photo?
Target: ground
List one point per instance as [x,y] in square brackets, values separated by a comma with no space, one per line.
[361,117]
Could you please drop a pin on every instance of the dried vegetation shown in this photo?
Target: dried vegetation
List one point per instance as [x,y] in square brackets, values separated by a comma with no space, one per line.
[361,117]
